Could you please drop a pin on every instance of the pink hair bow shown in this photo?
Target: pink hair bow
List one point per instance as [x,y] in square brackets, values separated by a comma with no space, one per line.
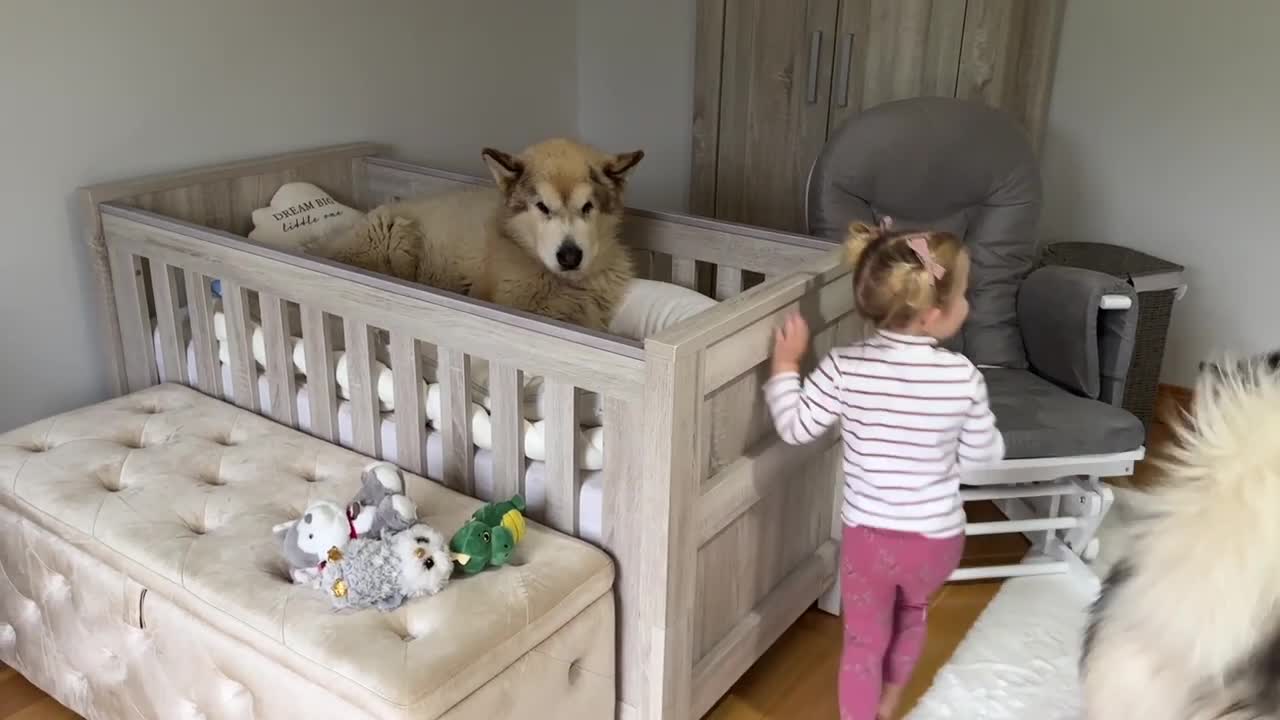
[920,245]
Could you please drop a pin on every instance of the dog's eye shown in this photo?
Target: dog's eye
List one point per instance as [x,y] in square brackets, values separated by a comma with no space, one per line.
[429,563]
[485,537]
[542,208]
[588,207]
[311,536]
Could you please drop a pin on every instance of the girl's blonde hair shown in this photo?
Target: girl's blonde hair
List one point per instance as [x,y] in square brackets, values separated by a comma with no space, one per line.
[892,283]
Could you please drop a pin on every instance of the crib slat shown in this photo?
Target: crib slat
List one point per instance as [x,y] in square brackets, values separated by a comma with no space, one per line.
[172,349]
[244,368]
[455,420]
[505,394]
[562,457]
[728,282]
[200,306]
[684,273]
[135,323]
[365,415]
[316,346]
[411,410]
[280,374]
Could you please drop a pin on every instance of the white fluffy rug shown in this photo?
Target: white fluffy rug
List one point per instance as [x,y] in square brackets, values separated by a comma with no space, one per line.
[1019,661]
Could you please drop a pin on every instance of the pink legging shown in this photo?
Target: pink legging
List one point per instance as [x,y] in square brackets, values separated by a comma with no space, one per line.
[886,581]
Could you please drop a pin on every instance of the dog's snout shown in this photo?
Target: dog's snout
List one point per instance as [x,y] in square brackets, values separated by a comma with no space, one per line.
[569,255]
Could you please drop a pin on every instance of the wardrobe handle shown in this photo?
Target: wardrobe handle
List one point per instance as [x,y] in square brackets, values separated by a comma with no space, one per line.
[844,56]
[815,56]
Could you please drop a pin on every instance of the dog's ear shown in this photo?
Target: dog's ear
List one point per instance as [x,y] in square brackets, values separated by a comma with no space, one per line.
[619,166]
[506,169]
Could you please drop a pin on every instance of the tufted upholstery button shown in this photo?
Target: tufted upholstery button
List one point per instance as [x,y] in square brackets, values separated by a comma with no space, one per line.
[57,587]
[35,447]
[224,441]
[575,672]
[214,480]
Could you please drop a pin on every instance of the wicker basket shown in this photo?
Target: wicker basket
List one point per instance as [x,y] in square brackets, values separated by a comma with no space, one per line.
[1158,284]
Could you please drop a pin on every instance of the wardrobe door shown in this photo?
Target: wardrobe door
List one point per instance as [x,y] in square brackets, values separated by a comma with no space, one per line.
[893,49]
[775,88]
[1007,57]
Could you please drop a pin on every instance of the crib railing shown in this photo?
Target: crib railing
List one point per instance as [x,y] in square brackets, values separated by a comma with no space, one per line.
[159,267]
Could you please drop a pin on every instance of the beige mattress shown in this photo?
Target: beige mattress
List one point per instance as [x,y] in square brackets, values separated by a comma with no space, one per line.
[139,530]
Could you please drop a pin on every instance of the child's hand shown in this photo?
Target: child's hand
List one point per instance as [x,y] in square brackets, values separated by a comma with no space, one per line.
[789,344]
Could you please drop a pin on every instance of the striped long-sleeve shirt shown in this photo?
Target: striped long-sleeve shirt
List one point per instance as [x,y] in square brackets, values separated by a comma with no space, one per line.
[911,416]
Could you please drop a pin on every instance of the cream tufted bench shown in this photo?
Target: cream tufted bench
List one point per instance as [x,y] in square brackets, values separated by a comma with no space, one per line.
[138,578]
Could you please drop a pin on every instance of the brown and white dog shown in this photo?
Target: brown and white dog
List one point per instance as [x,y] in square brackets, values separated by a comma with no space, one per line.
[1187,626]
[544,240]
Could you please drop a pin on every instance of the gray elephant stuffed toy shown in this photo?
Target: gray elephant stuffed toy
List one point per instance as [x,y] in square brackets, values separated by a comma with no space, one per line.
[380,506]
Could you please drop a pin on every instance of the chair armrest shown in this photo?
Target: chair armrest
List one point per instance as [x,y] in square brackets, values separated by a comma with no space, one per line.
[1079,327]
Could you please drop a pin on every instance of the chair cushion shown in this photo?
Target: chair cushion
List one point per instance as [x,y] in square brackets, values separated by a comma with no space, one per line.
[180,491]
[1040,420]
[942,164]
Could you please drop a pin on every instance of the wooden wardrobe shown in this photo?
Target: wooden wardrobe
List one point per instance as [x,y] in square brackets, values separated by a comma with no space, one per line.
[774,78]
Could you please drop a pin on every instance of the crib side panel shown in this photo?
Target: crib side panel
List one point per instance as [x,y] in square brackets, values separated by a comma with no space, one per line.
[763,509]
[221,196]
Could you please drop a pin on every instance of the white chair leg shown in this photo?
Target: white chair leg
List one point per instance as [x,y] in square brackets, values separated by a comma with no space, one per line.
[1093,504]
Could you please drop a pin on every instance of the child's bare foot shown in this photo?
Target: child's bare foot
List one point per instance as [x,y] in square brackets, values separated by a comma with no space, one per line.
[889,699]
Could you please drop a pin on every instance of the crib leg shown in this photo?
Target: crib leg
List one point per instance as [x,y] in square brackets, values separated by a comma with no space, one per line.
[829,602]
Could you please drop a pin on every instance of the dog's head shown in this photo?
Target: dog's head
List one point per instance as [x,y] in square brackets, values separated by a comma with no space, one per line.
[564,201]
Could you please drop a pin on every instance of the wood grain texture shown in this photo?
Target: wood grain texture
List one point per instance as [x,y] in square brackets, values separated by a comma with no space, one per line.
[770,133]
[624,531]
[899,49]
[671,442]
[244,368]
[1007,58]
[366,418]
[281,378]
[317,345]
[134,322]
[411,406]
[200,306]
[563,479]
[506,385]
[173,348]
[455,422]
[708,62]
[229,208]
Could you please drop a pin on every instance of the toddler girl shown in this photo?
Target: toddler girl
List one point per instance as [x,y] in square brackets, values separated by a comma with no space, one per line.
[911,415]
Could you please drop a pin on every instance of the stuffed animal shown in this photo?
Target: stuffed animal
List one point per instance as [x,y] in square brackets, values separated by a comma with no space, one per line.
[385,572]
[306,542]
[381,504]
[489,538]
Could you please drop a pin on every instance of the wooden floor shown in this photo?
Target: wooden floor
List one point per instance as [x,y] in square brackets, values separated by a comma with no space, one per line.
[797,677]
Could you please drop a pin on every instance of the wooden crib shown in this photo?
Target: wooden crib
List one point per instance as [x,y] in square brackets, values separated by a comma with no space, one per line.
[721,533]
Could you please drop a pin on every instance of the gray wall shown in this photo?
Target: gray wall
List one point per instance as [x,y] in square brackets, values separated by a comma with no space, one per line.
[93,91]
[1164,135]
[635,90]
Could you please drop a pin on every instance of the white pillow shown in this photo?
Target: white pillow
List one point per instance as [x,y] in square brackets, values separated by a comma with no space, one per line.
[650,306]
[300,213]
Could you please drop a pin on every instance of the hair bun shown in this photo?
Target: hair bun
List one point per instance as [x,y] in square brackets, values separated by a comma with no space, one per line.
[860,236]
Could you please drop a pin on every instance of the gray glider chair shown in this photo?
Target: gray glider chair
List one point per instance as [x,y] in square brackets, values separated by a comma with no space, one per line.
[1054,343]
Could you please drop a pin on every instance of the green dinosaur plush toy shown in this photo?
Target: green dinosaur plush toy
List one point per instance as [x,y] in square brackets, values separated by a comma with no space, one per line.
[490,536]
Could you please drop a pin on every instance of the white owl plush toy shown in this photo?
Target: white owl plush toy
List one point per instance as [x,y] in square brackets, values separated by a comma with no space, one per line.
[385,572]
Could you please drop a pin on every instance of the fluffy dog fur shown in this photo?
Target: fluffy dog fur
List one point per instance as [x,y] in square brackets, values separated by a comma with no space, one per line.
[544,240]
[1187,626]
